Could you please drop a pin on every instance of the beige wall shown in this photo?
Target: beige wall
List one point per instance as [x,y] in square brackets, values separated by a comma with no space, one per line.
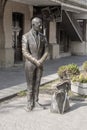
[14,7]
[78,48]
[52,32]
[54,46]
[53,51]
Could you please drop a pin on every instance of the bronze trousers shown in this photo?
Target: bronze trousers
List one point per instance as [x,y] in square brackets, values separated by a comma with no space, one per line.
[33,78]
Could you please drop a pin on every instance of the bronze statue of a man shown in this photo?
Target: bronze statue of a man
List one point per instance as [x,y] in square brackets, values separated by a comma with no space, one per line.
[35,52]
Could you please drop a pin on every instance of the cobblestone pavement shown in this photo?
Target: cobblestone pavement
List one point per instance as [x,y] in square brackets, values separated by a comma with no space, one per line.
[14,117]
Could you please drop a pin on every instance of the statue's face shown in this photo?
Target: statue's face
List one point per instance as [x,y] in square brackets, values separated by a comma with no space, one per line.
[37,25]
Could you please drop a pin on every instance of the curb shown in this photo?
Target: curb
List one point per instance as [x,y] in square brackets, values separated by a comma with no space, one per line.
[11,92]
[7,98]
[78,99]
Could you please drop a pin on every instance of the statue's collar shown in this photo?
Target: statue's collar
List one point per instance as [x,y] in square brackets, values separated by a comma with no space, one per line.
[34,32]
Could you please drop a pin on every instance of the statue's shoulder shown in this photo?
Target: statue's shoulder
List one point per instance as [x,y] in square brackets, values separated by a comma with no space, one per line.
[26,35]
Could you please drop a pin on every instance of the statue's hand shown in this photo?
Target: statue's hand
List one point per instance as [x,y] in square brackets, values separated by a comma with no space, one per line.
[39,64]
[40,61]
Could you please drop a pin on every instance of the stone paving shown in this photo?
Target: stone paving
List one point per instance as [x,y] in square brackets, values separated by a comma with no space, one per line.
[14,117]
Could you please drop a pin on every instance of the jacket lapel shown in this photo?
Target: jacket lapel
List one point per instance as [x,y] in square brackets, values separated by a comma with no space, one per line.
[33,39]
[39,38]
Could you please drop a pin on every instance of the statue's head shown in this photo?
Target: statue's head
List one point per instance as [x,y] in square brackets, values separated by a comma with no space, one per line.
[37,24]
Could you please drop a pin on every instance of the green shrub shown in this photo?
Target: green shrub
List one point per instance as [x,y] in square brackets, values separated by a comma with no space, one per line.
[75,78]
[22,93]
[84,66]
[73,69]
[68,71]
[62,71]
[81,78]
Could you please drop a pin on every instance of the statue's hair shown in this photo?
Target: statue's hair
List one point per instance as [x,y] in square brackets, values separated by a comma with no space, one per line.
[35,19]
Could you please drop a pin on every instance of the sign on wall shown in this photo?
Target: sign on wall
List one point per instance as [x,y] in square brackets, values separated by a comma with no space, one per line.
[51,13]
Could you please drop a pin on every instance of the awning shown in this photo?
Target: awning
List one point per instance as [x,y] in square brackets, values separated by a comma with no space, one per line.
[37,2]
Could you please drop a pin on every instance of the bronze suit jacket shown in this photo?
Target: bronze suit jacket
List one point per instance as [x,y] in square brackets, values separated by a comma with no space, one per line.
[31,51]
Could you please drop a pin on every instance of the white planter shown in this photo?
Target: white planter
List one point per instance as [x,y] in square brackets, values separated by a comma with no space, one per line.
[80,88]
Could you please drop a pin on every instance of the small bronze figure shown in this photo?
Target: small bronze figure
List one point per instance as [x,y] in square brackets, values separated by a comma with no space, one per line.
[35,52]
[60,100]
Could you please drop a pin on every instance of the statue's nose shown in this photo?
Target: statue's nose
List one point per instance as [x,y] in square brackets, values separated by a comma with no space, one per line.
[40,27]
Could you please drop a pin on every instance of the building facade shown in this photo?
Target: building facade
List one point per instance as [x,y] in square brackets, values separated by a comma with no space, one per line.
[64,24]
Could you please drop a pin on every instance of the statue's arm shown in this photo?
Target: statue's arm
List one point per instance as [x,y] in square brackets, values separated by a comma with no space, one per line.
[45,55]
[26,53]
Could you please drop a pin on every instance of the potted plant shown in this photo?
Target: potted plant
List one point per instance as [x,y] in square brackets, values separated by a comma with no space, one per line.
[78,78]
[67,71]
[72,69]
[79,82]
[84,66]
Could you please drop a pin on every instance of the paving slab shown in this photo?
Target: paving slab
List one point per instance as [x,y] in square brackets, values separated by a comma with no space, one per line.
[14,117]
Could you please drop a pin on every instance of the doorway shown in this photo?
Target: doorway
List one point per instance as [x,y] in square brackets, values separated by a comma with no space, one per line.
[17,26]
[64,41]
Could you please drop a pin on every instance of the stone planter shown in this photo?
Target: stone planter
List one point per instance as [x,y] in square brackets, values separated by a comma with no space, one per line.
[79,88]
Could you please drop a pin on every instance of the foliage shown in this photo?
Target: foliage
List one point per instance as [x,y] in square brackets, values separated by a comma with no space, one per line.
[62,71]
[73,69]
[81,78]
[22,93]
[84,66]
[68,70]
